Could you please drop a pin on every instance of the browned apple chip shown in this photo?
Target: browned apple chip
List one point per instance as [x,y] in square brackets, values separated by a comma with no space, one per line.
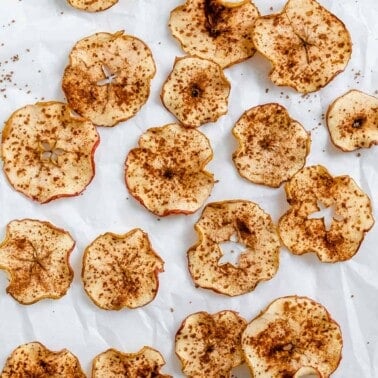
[196,91]
[215,29]
[36,254]
[209,345]
[115,364]
[92,5]
[301,231]
[166,172]
[272,146]
[306,44]
[352,120]
[48,153]
[35,360]
[238,221]
[121,270]
[108,77]
[293,337]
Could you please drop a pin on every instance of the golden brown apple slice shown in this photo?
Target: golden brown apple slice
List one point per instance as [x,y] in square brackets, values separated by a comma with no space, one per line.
[92,5]
[209,345]
[214,30]
[272,146]
[108,77]
[35,254]
[293,337]
[352,121]
[121,270]
[166,173]
[305,43]
[196,91]
[48,152]
[243,222]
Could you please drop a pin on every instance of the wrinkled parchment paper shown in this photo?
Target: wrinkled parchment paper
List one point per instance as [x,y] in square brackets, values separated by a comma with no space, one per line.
[35,39]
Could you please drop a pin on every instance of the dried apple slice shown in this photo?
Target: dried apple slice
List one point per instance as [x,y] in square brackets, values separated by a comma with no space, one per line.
[35,360]
[215,30]
[92,5]
[243,222]
[352,121]
[166,172]
[114,364]
[209,345]
[305,43]
[121,270]
[272,146]
[292,337]
[108,77]
[36,256]
[48,152]
[196,91]
[301,233]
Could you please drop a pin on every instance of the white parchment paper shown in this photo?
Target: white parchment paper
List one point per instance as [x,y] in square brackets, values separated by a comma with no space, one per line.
[35,39]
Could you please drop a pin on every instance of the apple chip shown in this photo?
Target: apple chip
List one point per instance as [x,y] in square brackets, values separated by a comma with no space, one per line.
[196,91]
[166,172]
[48,152]
[115,364]
[306,44]
[272,146]
[293,337]
[36,254]
[92,5]
[108,77]
[242,222]
[209,345]
[352,120]
[302,231]
[35,360]
[121,270]
[215,29]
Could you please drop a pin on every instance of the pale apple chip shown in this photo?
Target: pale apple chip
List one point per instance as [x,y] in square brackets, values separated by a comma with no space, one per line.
[216,30]
[196,91]
[166,172]
[114,364]
[35,254]
[209,345]
[238,221]
[48,152]
[92,5]
[35,360]
[121,270]
[301,231]
[293,337]
[108,77]
[272,146]
[352,121]
[305,43]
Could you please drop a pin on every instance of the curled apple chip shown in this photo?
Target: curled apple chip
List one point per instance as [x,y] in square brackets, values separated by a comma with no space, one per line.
[216,30]
[35,360]
[302,231]
[196,91]
[121,270]
[272,146]
[305,43]
[108,77]
[352,121]
[242,222]
[92,5]
[166,172]
[114,364]
[209,345]
[293,337]
[48,152]
[36,254]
